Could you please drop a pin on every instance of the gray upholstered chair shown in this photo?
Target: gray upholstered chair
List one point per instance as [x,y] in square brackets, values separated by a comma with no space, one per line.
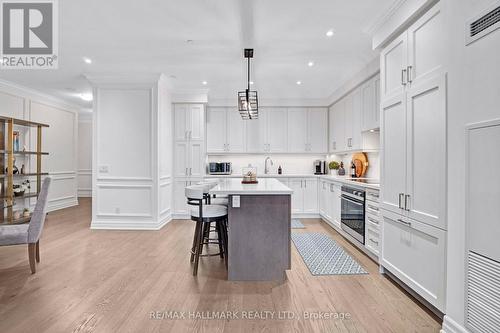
[29,233]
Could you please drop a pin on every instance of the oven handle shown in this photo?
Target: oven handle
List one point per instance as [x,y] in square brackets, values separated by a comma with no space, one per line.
[351,200]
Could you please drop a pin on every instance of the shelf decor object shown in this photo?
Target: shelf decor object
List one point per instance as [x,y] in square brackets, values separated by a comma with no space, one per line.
[248,104]
[9,149]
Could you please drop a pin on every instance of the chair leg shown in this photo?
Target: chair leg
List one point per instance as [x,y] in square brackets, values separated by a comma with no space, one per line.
[219,236]
[225,241]
[199,247]
[195,239]
[38,251]
[31,257]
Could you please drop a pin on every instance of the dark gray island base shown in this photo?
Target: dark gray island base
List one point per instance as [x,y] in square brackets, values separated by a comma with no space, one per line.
[259,238]
[259,229]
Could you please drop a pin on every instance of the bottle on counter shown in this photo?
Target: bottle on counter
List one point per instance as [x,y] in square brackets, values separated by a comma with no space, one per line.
[353,170]
[341,171]
[280,171]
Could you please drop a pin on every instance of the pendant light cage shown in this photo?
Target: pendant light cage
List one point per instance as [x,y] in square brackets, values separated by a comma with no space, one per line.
[248,103]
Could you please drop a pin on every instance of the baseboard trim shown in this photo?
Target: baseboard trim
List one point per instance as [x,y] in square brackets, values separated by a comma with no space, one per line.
[451,326]
[84,193]
[97,224]
[62,204]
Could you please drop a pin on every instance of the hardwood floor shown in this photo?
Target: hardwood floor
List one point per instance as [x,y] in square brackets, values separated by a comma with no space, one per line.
[112,281]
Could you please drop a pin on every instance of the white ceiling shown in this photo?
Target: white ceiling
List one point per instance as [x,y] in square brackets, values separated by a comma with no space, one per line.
[151,37]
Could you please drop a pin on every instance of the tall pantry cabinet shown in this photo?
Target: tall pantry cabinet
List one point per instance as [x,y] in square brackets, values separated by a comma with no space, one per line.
[413,157]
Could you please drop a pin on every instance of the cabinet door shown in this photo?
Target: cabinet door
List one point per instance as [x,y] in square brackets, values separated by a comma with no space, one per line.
[393,66]
[338,119]
[349,118]
[296,185]
[196,120]
[310,196]
[180,201]
[297,130]
[415,253]
[336,204]
[331,128]
[393,156]
[355,125]
[181,114]
[216,130]
[322,198]
[370,119]
[181,160]
[317,130]
[236,131]
[426,152]
[196,165]
[277,130]
[426,45]
[377,102]
[256,133]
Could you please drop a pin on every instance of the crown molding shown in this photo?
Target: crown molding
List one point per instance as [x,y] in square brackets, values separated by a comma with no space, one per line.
[382,19]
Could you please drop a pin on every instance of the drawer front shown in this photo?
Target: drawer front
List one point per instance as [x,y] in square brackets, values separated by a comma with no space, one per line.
[373,221]
[415,253]
[372,208]
[372,241]
[372,195]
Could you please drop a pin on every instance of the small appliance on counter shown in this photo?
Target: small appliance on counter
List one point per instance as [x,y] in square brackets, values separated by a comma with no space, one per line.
[220,168]
[320,167]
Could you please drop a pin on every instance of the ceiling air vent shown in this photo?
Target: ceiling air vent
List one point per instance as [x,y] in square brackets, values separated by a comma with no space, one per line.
[481,25]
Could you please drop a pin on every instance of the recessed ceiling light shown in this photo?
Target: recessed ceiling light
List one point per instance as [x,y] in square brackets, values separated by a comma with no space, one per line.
[310,63]
[204,83]
[299,82]
[330,33]
[87,60]
[86,97]
[189,41]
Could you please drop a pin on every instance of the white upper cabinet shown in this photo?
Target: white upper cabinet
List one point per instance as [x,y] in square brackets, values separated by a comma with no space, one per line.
[307,130]
[257,133]
[393,67]
[297,130]
[236,131]
[317,130]
[226,131]
[216,130]
[189,122]
[371,104]
[337,127]
[277,127]
[426,45]
[415,55]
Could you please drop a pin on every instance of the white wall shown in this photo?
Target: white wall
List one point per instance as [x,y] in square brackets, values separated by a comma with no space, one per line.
[131,151]
[60,139]
[85,155]
[473,96]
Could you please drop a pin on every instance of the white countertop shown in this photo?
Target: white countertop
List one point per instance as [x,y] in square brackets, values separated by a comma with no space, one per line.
[266,186]
[333,178]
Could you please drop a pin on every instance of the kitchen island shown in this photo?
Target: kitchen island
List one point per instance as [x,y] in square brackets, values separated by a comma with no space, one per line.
[259,232]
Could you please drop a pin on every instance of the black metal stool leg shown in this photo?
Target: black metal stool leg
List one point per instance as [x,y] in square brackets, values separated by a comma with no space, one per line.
[195,238]
[219,235]
[199,246]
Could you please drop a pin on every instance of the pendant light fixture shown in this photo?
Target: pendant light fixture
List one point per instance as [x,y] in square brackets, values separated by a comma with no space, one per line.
[248,104]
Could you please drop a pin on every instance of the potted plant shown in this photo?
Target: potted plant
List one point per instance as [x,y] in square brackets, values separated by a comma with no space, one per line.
[333,165]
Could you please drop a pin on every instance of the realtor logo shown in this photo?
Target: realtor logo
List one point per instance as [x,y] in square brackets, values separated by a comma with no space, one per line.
[29,34]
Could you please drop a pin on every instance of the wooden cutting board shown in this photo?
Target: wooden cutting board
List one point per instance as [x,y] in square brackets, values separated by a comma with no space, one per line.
[361,162]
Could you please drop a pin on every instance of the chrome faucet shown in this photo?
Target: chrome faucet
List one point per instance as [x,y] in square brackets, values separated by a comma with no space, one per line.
[266,168]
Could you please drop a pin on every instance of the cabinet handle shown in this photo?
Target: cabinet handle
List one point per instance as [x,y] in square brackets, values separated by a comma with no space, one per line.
[190,171]
[373,207]
[408,224]
[403,77]
[374,241]
[400,204]
[409,74]
[186,172]
[372,220]
[407,205]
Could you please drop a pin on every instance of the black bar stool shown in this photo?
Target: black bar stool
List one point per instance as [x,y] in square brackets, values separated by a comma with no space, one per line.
[204,214]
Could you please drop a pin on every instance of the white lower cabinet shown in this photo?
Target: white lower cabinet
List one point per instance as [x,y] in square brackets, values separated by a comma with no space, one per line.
[305,195]
[415,253]
[330,205]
